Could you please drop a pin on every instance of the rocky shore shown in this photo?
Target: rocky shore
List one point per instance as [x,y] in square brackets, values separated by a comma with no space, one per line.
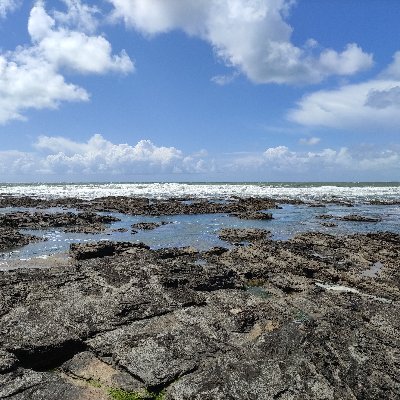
[313,317]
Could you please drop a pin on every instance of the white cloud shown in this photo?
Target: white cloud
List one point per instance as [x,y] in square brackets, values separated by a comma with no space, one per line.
[343,163]
[7,6]
[31,76]
[223,80]
[370,105]
[79,16]
[350,61]
[393,69]
[382,99]
[32,83]
[59,156]
[367,105]
[249,35]
[75,50]
[310,141]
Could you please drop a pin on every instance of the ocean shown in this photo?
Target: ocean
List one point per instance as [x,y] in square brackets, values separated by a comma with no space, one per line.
[307,191]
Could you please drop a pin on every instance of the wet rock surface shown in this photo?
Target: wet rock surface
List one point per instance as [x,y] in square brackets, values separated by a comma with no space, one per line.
[253,215]
[11,238]
[271,320]
[350,217]
[145,206]
[86,222]
[148,226]
[233,235]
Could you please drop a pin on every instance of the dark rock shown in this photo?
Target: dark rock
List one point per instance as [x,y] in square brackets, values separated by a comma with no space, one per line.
[11,238]
[174,252]
[140,320]
[359,218]
[350,217]
[253,215]
[148,225]
[241,235]
[328,224]
[86,222]
[84,251]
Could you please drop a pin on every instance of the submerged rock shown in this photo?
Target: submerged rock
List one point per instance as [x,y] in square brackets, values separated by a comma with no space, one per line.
[11,238]
[253,215]
[242,234]
[148,225]
[350,217]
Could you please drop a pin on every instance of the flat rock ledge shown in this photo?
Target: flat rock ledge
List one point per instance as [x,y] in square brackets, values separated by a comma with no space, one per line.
[297,319]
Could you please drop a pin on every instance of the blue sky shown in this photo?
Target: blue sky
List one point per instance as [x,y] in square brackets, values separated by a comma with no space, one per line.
[199,90]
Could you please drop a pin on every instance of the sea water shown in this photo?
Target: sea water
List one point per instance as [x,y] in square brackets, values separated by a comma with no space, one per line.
[201,231]
[316,191]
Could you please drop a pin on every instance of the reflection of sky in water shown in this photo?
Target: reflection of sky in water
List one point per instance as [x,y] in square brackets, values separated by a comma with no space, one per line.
[200,230]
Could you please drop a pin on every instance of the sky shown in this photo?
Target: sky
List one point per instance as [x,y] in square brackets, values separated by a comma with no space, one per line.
[199,90]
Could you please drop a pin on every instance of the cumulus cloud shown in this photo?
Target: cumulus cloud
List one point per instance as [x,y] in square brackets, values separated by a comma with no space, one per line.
[326,164]
[250,35]
[79,16]
[32,76]
[7,6]
[63,47]
[60,156]
[27,82]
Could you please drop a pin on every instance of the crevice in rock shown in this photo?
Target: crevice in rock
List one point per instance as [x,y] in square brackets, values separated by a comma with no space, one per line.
[163,386]
[20,390]
[280,393]
[47,358]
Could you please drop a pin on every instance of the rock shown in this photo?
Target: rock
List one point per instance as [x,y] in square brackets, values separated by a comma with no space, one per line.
[216,251]
[86,222]
[87,366]
[8,361]
[27,384]
[173,252]
[359,218]
[253,215]
[328,224]
[350,217]
[148,225]
[140,321]
[242,235]
[11,238]
[84,251]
